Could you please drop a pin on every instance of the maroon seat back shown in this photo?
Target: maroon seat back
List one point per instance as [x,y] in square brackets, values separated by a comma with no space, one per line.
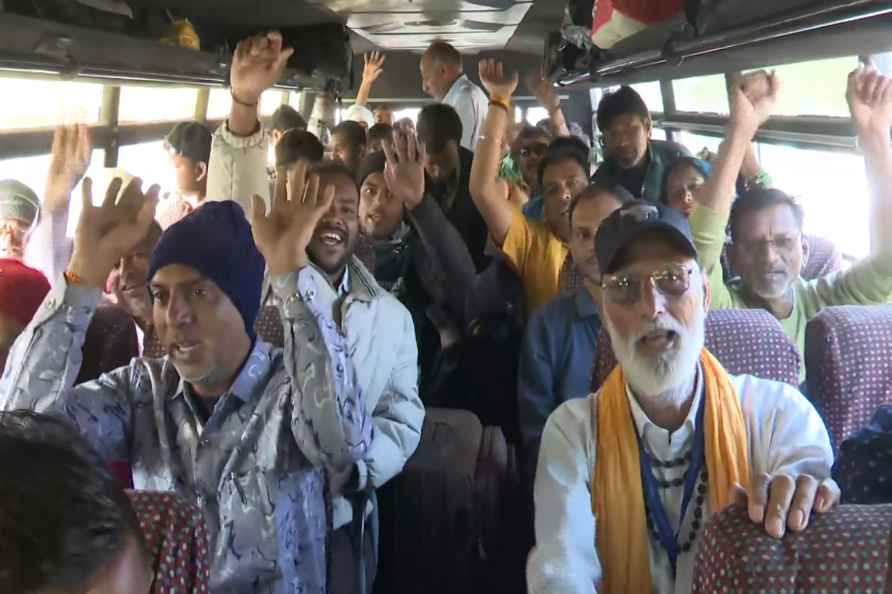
[848,362]
[845,550]
[745,341]
[268,326]
[176,542]
[823,258]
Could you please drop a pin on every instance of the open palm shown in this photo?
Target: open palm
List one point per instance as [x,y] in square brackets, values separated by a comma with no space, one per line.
[404,171]
[283,234]
[493,77]
[108,232]
[258,64]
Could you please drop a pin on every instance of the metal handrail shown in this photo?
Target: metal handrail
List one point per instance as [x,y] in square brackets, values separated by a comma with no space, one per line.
[787,25]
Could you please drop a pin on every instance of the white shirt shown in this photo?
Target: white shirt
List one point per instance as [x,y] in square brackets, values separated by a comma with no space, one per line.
[471,103]
[785,433]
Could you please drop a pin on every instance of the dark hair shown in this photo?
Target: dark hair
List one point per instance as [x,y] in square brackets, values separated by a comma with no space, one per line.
[287,118]
[63,516]
[298,144]
[702,167]
[565,148]
[380,132]
[528,132]
[373,163]
[327,167]
[439,123]
[759,199]
[386,106]
[445,54]
[596,190]
[191,140]
[352,130]
[621,102]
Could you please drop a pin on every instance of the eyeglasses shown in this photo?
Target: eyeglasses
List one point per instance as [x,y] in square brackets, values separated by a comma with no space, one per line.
[538,149]
[625,289]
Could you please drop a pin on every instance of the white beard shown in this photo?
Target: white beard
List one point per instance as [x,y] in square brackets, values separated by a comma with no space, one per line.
[670,370]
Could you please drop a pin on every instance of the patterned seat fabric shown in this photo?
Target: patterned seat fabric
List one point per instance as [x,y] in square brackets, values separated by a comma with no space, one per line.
[110,342]
[846,550]
[268,326]
[745,341]
[863,467]
[823,258]
[176,541]
[848,362]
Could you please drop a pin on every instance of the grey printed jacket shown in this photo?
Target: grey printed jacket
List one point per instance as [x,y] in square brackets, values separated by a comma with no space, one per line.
[255,467]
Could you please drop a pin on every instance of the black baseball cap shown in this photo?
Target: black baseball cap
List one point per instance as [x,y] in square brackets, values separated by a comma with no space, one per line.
[191,140]
[631,220]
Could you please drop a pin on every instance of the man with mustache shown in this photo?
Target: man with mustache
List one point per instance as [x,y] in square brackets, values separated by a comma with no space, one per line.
[628,476]
[560,340]
[768,248]
[631,157]
[19,212]
[377,329]
[537,251]
[224,419]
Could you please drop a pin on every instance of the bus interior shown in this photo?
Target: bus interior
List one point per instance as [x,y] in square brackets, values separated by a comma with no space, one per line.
[132,69]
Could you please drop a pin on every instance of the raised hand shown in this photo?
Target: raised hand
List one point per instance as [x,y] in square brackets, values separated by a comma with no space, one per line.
[492,75]
[404,172]
[283,234]
[71,154]
[543,89]
[373,66]
[753,99]
[258,64]
[108,232]
[869,95]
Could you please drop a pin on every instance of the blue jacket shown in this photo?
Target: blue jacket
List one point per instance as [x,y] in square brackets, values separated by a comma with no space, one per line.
[556,363]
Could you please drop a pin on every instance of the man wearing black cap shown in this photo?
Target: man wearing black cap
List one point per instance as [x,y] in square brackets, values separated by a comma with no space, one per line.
[224,419]
[669,430]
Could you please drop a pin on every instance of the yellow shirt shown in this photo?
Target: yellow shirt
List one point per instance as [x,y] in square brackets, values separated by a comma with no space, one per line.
[537,255]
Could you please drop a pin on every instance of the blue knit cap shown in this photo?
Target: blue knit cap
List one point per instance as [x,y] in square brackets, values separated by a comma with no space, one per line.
[216,241]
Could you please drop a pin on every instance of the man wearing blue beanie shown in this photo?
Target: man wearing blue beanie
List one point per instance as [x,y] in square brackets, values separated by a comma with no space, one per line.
[243,429]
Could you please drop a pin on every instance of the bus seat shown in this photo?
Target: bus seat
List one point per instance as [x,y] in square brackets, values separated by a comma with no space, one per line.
[845,550]
[823,258]
[745,341]
[176,542]
[110,342]
[268,326]
[450,522]
[848,363]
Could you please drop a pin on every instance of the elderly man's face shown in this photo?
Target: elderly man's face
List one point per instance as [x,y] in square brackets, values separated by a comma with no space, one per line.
[14,235]
[655,308]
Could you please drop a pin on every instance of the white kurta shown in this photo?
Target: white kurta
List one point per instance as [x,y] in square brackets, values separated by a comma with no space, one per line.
[785,433]
[471,103]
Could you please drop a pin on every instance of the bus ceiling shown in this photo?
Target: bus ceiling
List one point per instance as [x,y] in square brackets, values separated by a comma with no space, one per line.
[121,39]
[712,37]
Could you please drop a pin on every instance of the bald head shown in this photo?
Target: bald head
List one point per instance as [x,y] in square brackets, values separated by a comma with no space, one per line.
[440,66]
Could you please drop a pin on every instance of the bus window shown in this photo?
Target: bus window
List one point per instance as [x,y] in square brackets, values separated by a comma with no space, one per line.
[697,142]
[831,187]
[703,94]
[800,97]
[651,93]
[407,112]
[156,104]
[149,162]
[536,115]
[47,103]
[219,102]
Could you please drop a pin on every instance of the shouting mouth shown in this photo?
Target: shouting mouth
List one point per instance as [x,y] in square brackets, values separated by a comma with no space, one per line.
[658,340]
[332,237]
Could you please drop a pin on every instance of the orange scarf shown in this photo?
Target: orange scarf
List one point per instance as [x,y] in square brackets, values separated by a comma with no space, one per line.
[617,493]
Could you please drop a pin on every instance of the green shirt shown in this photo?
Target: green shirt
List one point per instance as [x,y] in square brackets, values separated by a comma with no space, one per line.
[661,156]
[868,282]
